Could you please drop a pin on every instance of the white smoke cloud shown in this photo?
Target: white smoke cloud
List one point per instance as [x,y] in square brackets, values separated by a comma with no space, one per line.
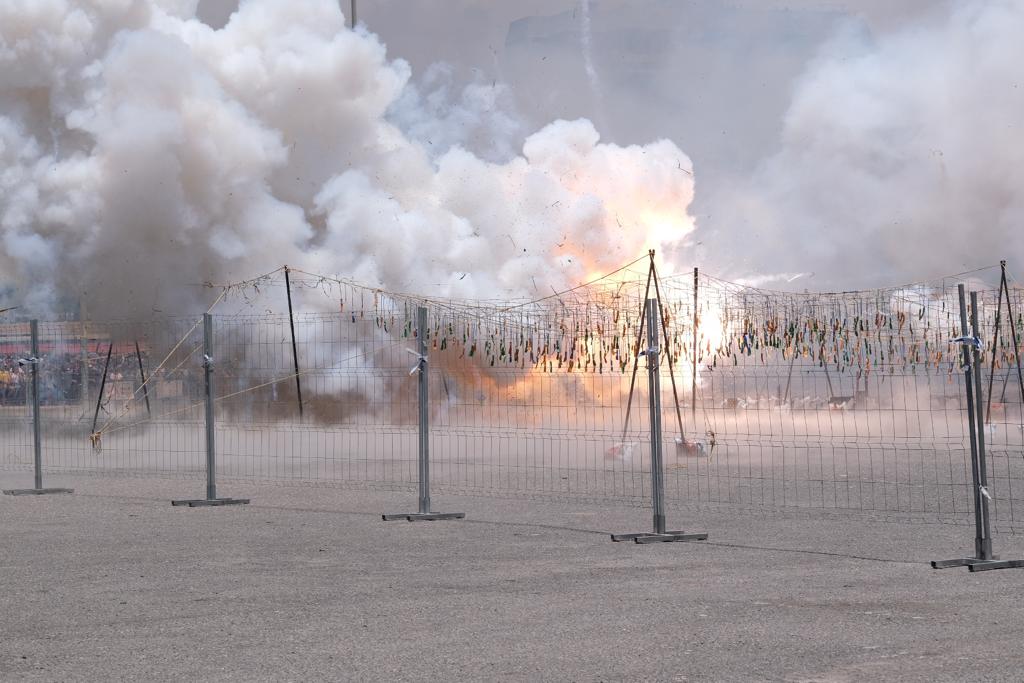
[900,158]
[481,117]
[143,150]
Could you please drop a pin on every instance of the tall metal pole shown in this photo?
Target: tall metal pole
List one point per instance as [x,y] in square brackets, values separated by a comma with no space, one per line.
[424,410]
[295,350]
[211,457]
[968,363]
[696,322]
[352,19]
[211,451]
[423,447]
[654,404]
[979,415]
[652,313]
[37,435]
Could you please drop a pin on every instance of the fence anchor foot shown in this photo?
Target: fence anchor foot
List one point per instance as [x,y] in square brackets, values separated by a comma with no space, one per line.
[986,565]
[962,562]
[667,537]
[423,516]
[35,492]
[210,502]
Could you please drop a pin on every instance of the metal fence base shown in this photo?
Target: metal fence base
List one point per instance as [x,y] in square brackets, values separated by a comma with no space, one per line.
[667,537]
[961,562]
[423,516]
[36,492]
[995,564]
[209,502]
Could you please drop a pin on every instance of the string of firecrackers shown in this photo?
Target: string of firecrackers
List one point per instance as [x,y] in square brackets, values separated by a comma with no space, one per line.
[596,328]
[603,341]
[606,342]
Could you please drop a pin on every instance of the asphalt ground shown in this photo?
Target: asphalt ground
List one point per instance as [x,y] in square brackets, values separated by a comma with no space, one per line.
[307,583]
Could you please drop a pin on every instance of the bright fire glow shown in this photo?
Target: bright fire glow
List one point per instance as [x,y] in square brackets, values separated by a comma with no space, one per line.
[712,328]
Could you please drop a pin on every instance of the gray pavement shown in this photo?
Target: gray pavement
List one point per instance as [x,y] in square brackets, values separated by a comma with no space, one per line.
[112,583]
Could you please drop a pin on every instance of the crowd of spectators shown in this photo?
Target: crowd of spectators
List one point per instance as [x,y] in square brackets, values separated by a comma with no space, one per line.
[13,381]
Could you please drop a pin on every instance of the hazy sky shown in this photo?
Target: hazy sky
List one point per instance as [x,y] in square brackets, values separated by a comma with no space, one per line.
[465,31]
[742,86]
[709,97]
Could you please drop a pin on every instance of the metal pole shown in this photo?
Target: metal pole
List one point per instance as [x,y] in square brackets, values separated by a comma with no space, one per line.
[423,404]
[103,386]
[211,452]
[37,436]
[295,350]
[696,322]
[142,374]
[211,458]
[352,20]
[654,404]
[979,536]
[424,409]
[979,415]
[1013,334]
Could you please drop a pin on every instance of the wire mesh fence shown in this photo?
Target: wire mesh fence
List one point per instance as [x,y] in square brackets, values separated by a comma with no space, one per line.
[104,381]
[851,403]
[15,400]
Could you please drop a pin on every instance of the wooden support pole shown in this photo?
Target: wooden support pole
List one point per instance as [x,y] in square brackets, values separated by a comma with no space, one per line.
[295,349]
[142,374]
[103,385]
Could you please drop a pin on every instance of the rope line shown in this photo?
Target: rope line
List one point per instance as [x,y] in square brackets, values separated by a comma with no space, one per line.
[97,435]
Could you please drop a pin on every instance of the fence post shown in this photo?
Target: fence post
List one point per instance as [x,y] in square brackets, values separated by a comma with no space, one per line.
[211,445]
[696,322]
[37,436]
[37,431]
[652,313]
[971,364]
[988,561]
[423,431]
[981,493]
[423,400]
[654,408]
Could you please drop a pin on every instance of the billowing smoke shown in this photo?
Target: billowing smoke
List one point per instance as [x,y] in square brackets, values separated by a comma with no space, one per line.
[900,158]
[142,150]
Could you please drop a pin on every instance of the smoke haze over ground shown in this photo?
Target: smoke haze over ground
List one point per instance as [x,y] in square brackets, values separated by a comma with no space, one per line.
[149,144]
